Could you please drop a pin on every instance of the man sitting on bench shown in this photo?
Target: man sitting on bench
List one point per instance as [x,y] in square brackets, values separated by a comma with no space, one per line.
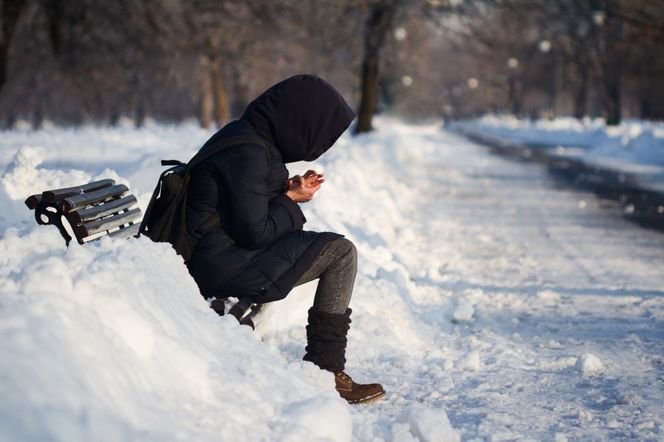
[259,251]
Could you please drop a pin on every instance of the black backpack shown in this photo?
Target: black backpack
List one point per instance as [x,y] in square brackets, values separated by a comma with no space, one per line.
[164,219]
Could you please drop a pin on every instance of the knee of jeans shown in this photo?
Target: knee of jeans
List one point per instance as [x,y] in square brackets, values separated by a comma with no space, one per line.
[348,248]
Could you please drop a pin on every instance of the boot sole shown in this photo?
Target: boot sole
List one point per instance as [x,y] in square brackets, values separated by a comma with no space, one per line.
[369,400]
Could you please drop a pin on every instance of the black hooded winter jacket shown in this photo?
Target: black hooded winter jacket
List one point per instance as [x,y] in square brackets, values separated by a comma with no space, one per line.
[260,249]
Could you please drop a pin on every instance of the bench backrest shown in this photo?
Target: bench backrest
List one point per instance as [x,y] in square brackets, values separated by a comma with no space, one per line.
[92,210]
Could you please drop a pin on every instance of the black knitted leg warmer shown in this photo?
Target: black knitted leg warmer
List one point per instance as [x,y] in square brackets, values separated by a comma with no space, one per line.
[326,339]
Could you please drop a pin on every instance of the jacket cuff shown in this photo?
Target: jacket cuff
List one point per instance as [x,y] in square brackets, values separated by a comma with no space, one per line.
[293,208]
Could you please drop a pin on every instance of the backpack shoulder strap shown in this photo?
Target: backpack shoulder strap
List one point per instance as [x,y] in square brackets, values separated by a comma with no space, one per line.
[224,144]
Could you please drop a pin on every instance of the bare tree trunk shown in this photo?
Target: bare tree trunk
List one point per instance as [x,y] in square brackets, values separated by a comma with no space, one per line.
[581,93]
[612,95]
[378,24]
[241,94]
[140,113]
[221,106]
[646,107]
[114,117]
[11,10]
[56,16]
[4,52]
[37,118]
[581,64]
[35,102]
[206,94]
[609,50]
[554,83]
[513,94]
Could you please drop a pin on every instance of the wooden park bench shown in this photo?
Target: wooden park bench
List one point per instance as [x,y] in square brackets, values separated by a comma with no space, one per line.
[104,208]
[92,210]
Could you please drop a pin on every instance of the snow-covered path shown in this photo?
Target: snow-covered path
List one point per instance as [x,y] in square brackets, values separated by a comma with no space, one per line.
[552,276]
[538,276]
[487,295]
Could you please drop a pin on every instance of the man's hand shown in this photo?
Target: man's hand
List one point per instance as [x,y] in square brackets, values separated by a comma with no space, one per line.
[302,188]
[313,177]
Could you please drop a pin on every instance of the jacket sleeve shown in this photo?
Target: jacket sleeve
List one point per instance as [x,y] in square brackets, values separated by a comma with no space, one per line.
[257,220]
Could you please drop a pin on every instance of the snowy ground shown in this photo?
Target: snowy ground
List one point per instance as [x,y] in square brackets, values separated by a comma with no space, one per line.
[634,141]
[635,147]
[486,295]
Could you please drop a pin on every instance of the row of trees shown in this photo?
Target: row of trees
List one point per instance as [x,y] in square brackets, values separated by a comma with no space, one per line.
[578,57]
[74,61]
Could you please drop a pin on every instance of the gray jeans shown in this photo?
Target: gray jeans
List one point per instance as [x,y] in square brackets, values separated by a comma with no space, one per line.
[335,267]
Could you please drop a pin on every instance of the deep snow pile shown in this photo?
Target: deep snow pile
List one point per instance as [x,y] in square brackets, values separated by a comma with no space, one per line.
[111,341]
[490,304]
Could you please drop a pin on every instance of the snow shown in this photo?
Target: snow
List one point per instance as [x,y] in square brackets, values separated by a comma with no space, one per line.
[634,141]
[588,364]
[634,147]
[470,361]
[480,286]
[422,423]
[463,312]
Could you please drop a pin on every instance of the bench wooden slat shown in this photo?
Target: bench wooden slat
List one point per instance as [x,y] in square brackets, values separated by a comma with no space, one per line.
[99,225]
[85,199]
[55,195]
[102,210]
[126,232]
[92,210]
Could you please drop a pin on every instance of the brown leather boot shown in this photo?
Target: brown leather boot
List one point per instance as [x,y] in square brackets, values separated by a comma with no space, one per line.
[357,393]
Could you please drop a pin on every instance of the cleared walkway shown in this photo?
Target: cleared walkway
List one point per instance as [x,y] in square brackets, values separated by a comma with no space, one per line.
[538,277]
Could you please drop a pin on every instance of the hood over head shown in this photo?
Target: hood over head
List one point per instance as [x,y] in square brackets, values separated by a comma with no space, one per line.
[302,116]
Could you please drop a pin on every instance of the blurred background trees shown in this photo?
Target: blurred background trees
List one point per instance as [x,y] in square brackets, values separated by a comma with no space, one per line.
[81,61]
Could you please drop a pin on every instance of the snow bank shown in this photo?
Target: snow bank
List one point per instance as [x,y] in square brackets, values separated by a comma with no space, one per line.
[631,145]
[632,140]
[112,341]
[22,177]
